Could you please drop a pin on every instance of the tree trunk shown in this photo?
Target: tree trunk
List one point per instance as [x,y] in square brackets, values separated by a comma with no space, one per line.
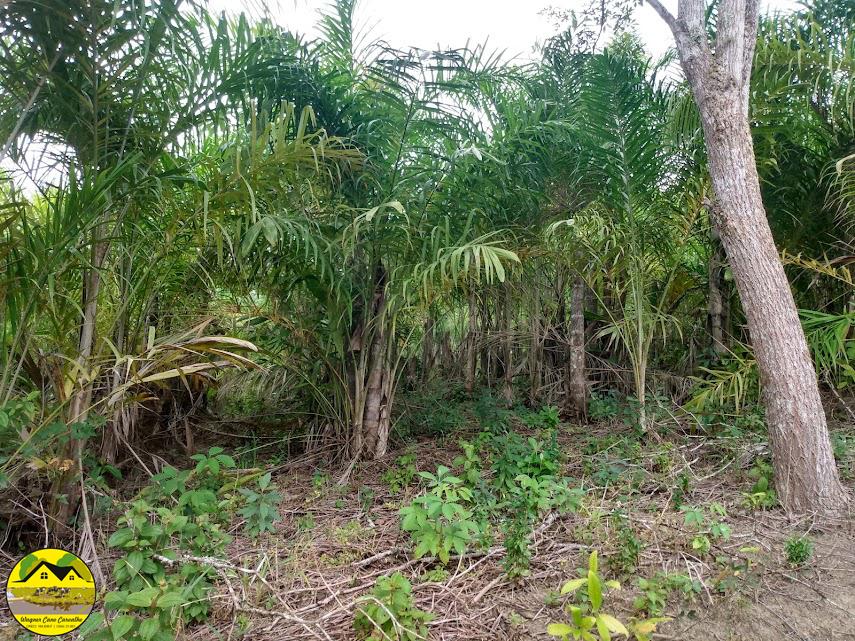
[508,349]
[577,384]
[428,350]
[716,300]
[375,421]
[67,485]
[719,74]
[471,354]
[535,353]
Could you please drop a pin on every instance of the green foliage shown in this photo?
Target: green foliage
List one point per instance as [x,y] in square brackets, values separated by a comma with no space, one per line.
[695,520]
[655,591]
[516,456]
[798,550]
[491,414]
[389,614]
[588,621]
[401,475]
[471,464]
[437,521]
[545,419]
[761,495]
[624,560]
[434,575]
[843,446]
[260,510]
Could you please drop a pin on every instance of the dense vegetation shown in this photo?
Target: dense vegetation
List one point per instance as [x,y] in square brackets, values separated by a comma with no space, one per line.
[498,293]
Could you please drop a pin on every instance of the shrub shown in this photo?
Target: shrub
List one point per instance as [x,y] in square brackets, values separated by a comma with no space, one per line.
[437,521]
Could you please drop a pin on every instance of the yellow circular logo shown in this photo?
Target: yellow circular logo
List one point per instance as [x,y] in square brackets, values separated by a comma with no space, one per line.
[50,592]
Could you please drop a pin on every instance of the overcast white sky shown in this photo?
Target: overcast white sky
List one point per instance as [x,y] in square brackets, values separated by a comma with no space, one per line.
[511,25]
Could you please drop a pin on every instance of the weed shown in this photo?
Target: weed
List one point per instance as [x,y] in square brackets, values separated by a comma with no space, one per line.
[587,617]
[260,510]
[798,550]
[761,495]
[434,575]
[306,523]
[625,558]
[437,521]
[349,533]
[365,496]
[389,613]
[401,475]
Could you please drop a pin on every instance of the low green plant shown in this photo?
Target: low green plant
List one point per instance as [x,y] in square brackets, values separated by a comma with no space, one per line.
[434,575]
[695,519]
[156,593]
[401,474]
[365,496]
[388,613]
[588,621]
[260,509]
[761,495]
[653,595]
[530,499]
[625,558]
[655,591]
[798,550]
[471,464]
[546,418]
[437,521]
[516,456]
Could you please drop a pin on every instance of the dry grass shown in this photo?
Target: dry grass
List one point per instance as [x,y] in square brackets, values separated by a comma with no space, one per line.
[307,579]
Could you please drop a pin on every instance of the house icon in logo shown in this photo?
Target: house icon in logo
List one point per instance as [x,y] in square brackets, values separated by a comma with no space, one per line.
[46,575]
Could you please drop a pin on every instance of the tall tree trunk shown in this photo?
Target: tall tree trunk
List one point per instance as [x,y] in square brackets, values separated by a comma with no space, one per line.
[507,348]
[716,298]
[428,349]
[471,353]
[375,422]
[577,384]
[66,485]
[535,352]
[719,74]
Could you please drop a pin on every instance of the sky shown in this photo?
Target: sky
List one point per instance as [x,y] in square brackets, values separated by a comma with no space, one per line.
[514,26]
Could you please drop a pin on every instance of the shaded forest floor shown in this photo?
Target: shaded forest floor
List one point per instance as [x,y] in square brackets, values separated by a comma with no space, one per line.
[335,540]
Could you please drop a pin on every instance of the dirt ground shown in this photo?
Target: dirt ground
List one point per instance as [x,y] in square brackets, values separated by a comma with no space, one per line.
[306,580]
[334,541]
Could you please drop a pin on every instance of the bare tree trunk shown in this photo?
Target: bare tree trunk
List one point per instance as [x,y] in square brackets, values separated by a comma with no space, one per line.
[66,485]
[469,384]
[535,352]
[719,74]
[508,348]
[428,349]
[577,384]
[375,416]
[716,304]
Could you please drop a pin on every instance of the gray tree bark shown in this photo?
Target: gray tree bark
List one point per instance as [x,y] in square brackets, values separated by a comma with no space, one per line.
[577,383]
[716,299]
[719,74]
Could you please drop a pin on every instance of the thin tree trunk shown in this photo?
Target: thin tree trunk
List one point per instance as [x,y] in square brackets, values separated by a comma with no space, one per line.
[508,349]
[719,74]
[66,485]
[375,421]
[535,352]
[577,384]
[469,384]
[428,349]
